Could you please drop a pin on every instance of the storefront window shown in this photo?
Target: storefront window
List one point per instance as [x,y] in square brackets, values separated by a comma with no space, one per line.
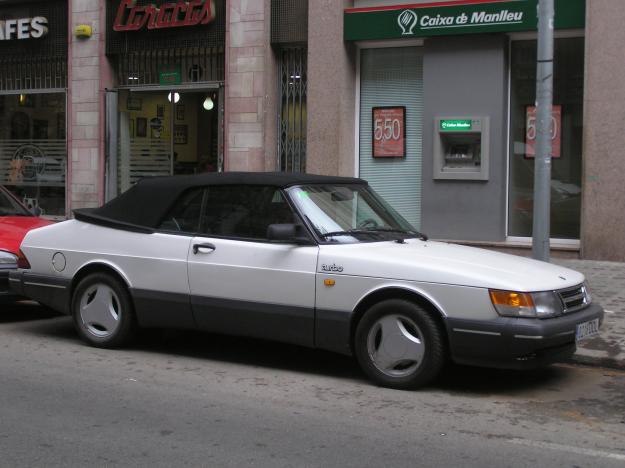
[566,134]
[33,149]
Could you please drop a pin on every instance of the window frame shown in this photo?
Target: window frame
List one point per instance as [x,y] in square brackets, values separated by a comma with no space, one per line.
[198,233]
[573,244]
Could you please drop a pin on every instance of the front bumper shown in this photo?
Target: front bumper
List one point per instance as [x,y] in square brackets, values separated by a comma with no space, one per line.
[517,343]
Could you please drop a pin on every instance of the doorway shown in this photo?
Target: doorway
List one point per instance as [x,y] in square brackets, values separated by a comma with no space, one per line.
[167,132]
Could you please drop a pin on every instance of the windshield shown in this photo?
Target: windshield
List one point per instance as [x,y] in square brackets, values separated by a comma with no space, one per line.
[350,214]
[10,207]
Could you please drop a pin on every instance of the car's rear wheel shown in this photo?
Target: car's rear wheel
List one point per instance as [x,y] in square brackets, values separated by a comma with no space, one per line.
[102,311]
[399,345]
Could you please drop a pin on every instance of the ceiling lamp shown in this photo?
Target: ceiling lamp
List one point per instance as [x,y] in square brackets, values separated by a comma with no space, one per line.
[176,97]
[208,103]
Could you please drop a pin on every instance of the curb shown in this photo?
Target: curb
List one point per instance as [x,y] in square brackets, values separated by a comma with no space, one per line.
[591,361]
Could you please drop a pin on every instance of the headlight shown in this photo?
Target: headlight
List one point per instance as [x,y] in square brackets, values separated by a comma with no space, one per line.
[519,304]
[7,258]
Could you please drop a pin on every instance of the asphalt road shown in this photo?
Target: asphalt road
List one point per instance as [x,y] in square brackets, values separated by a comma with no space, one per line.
[192,399]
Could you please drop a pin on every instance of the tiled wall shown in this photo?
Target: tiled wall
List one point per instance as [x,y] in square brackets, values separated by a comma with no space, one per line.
[246,44]
[85,106]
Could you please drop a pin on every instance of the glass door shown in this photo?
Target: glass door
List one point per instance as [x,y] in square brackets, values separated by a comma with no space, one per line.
[166,132]
[195,143]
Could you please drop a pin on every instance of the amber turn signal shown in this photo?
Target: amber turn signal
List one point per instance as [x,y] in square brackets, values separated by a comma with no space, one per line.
[511,299]
[329,282]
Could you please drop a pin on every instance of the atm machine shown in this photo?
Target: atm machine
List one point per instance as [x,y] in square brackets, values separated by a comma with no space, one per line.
[461,148]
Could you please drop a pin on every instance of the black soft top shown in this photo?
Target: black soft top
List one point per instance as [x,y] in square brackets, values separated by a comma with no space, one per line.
[144,206]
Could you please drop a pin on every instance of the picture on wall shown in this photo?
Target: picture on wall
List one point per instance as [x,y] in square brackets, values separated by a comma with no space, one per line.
[142,127]
[60,125]
[40,129]
[160,111]
[180,112]
[51,100]
[133,103]
[181,134]
[156,128]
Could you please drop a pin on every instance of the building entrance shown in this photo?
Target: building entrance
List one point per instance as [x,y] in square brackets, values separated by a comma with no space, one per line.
[167,132]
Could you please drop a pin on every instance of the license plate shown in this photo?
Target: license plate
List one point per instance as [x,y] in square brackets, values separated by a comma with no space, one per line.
[587,329]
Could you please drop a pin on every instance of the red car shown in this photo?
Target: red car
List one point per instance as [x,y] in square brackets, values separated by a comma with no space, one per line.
[15,222]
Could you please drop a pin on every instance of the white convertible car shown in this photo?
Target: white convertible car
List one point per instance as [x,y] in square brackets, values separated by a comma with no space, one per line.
[311,260]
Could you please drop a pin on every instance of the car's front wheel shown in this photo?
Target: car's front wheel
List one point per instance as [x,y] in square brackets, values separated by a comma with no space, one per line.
[102,311]
[399,345]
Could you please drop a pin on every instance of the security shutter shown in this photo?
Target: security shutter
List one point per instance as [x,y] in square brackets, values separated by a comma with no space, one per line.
[393,77]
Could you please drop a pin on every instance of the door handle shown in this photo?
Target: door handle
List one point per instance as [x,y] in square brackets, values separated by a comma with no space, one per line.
[203,248]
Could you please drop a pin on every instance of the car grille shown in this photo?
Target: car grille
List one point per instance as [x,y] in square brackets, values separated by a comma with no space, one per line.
[574,298]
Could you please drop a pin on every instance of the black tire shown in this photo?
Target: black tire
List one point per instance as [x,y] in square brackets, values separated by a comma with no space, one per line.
[421,324]
[121,303]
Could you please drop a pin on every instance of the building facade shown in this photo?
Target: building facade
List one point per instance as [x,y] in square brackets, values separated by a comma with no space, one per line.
[432,102]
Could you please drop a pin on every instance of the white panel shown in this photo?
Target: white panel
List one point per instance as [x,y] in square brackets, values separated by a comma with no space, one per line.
[142,158]
[38,163]
[393,77]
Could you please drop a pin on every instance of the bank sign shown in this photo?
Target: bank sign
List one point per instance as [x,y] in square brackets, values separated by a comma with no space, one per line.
[456,17]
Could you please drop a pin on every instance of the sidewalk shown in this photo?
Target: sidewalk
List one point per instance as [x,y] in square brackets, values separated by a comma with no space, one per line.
[607,285]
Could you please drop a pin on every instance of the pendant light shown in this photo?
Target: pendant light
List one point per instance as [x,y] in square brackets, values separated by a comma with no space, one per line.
[176,97]
[208,103]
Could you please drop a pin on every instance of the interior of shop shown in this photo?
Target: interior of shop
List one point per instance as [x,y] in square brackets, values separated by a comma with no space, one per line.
[166,133]
[33,149]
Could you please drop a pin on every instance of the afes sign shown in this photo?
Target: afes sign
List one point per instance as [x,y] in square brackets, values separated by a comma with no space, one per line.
[23,28]
[131,17]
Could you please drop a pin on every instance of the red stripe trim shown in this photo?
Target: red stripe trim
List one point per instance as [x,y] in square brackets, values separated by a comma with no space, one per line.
[422,5]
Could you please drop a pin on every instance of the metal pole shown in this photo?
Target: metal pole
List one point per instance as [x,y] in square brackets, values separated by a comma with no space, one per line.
[544,102]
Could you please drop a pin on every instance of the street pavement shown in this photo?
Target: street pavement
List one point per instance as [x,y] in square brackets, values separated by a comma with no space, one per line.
[196,399]
[607,284]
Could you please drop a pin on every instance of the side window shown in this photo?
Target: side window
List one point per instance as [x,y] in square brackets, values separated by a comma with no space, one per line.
[244,211]
[184,216]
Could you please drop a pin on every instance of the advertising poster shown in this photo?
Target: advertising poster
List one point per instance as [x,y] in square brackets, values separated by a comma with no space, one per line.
[389,132]
[530,131]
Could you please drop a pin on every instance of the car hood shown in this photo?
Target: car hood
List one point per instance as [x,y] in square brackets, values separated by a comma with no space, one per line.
[439,262]
[14,228]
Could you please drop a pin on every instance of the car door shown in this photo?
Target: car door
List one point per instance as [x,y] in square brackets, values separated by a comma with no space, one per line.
[158,264]
[243,284]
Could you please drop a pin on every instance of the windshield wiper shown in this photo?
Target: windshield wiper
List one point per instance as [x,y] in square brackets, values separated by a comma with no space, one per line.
[420,235]
[348,232]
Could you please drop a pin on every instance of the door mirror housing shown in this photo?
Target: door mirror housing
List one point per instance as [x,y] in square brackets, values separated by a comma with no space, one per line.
[293,233]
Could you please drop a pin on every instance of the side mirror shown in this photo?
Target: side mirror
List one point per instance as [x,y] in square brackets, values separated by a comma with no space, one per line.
[288,233]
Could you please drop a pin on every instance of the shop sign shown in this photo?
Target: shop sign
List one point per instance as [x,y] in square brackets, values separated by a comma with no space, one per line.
[23,28]
[131,17]
[530,131]
[389,132]
[455,17]
[456,125]
[169,75]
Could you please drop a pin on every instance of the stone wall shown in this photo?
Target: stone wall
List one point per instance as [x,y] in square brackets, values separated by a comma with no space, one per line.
[331,93]
[88,74]
[246,46]
[603,209]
